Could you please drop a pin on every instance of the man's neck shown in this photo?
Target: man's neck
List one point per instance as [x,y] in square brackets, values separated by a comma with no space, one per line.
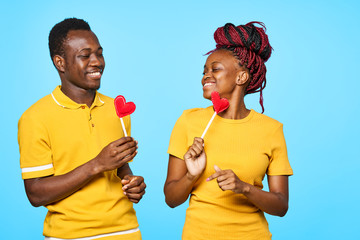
[80,96]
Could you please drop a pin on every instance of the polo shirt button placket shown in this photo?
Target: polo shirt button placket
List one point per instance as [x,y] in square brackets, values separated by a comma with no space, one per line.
[92,125]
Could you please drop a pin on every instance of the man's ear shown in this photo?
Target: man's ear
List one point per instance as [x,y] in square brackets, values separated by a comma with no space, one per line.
[242,77]
[59,63]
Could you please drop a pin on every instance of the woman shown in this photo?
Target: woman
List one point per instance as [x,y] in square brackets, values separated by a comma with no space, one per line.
[223,172]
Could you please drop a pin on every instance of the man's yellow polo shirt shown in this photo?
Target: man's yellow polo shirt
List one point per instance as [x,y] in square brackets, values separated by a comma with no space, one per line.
[55,136]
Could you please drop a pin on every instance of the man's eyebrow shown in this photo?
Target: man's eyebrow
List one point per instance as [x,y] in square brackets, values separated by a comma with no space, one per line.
[89,49]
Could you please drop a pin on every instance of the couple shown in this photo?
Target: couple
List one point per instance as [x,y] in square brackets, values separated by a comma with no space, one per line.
[74,156]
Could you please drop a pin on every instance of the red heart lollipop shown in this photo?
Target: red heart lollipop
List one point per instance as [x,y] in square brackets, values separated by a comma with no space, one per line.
[220,104]
[122,107]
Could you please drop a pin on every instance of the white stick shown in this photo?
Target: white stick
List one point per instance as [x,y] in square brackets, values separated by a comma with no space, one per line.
[123,126]
[207,127]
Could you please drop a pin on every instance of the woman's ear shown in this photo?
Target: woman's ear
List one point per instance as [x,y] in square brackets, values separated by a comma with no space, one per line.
[59,63]
[242,77]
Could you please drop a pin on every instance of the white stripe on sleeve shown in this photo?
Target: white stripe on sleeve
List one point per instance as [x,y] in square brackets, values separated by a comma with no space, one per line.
[38,168]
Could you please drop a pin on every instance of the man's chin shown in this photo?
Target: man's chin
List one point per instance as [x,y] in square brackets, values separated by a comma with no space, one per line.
[94,87]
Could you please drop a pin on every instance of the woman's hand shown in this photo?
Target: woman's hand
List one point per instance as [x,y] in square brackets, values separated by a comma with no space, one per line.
[195,158]
[183,174]
[274,202]
[228,180]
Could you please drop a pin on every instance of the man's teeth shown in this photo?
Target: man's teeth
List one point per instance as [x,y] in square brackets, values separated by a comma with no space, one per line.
[208,84]
[95,74]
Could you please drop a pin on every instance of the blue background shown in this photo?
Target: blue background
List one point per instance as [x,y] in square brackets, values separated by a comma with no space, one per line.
[154,52]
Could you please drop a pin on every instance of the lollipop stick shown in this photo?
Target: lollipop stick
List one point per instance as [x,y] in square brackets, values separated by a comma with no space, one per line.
[123,126]
[207,127]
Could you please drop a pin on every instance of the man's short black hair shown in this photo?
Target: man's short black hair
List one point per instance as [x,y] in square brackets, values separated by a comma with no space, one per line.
[60,31]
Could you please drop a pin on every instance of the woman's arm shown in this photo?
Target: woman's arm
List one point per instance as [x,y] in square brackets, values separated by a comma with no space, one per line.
[182,174]
[274,202]
[179,182]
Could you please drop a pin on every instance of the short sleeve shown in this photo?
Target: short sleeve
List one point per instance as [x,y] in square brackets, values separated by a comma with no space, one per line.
[178,144]
[279,162]
[34,146]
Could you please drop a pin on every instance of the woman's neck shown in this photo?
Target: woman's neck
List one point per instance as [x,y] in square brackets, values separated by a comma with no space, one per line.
[237,108]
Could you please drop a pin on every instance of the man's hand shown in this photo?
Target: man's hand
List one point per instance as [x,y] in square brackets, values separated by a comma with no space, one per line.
[133,187]
[116,154]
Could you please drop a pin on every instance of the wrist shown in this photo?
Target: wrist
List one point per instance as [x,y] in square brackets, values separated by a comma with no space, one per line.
[191,177]
[95,167]
[247,189]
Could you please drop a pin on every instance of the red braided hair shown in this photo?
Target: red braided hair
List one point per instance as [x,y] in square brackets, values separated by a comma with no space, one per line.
[251,46]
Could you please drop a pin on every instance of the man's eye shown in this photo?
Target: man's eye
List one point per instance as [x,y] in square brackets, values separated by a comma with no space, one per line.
[84,56]
[215,69]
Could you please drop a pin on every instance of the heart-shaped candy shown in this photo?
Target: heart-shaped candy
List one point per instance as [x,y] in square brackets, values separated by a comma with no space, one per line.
[122,107]
[220,104]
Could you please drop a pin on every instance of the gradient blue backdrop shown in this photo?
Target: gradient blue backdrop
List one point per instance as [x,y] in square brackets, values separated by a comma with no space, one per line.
[154,56]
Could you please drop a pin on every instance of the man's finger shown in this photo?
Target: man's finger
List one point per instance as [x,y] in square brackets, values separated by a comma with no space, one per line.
[135,196]
[134,182]
[126,146]
[127,158]
[121,141]
[124,181]
[135,189]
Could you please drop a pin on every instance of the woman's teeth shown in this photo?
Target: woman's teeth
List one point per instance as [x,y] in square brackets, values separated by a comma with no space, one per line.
[208,84]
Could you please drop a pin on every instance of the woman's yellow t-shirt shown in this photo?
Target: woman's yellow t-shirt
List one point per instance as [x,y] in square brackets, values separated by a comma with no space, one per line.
[251,147]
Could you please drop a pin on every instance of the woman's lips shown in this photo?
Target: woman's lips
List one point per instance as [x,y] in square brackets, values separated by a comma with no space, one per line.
[209,84]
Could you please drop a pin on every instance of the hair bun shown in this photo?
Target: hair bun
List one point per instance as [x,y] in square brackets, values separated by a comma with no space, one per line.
[251,46]
[245,36]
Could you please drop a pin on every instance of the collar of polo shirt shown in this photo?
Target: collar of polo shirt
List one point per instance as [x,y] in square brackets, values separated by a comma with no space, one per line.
[64,101]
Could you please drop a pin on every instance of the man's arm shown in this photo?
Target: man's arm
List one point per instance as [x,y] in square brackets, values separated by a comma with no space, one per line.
[124,170]
[46,190]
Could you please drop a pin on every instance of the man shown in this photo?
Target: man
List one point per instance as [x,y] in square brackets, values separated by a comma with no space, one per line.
[73,153]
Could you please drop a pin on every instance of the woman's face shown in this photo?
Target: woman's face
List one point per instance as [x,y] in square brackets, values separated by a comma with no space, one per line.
[221,71]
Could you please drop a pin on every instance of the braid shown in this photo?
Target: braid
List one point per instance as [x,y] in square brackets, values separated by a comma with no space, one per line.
[251,46]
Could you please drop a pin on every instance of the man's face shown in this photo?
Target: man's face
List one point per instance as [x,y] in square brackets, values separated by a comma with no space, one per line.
[84,62]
